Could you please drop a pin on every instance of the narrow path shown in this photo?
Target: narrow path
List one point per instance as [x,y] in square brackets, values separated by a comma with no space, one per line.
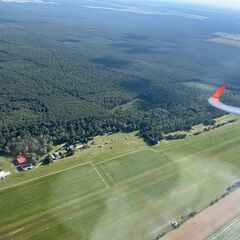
[123,155]
[38,165]
[99,174]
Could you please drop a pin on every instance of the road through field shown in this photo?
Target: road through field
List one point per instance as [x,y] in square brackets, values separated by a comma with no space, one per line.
[209,220]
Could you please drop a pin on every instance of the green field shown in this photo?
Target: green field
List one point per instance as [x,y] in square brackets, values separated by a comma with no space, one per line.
[121,190]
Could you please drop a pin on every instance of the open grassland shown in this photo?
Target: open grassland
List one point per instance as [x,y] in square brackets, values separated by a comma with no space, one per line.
[120,188]
[6,165]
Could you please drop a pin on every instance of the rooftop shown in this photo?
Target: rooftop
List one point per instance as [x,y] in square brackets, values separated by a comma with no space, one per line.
[21,160]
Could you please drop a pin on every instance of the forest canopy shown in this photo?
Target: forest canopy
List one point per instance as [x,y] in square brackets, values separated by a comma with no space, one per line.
[69,80]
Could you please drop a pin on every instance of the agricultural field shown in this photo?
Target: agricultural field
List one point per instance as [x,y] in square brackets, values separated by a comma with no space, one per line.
[75,70]
[229,232]
[206,222]
[120,188]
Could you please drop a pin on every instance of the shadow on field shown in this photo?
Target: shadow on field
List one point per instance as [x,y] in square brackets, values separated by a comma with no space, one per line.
[129,209]
[72,205]
[133,207]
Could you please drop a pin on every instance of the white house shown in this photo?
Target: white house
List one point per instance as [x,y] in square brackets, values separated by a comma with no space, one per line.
[57,155]
[3,175]
[79,147]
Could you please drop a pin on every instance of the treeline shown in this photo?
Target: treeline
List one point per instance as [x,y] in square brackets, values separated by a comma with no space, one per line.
[37,138]
[76,115]
[31,147]
[54,93]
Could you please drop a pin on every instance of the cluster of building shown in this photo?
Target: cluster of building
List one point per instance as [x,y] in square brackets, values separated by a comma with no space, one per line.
[23,164]
[56,156]
[72,148]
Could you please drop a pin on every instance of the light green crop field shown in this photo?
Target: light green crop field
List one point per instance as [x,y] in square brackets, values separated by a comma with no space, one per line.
[119,188]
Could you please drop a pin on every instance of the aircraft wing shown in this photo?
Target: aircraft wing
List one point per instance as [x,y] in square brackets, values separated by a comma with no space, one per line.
[215,102]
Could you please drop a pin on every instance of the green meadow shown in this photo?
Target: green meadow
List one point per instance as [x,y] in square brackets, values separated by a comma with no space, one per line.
[119,188]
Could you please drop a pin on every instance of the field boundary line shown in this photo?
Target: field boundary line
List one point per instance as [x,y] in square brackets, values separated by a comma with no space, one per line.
[76,166]
[163,154]
[46,175]
[122,155]
[99,174]
[223,229]
[107,175]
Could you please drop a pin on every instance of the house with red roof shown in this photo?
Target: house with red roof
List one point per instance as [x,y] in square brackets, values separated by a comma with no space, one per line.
[21,160]
[24,164]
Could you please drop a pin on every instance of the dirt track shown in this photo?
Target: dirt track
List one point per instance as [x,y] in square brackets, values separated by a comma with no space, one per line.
[209,220]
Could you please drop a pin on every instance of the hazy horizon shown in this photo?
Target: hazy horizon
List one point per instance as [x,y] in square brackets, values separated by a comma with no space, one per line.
[230,4]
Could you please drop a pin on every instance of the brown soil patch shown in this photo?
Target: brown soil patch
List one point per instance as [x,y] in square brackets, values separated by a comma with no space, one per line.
[209,220]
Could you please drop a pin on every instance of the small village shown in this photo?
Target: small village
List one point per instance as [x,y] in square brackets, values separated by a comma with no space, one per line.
[22,164]
[64,152]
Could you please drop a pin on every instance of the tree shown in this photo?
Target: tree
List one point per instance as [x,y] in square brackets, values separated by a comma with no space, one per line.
[48,159]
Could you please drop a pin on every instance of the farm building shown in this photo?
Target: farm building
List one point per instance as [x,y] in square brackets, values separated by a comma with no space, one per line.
[70,148]
[24,164]
[81,146]
[21,160]
[3,174]
[57,156]
[77,147]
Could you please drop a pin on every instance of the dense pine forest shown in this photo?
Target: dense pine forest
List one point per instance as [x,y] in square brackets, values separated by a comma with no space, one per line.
[69,73]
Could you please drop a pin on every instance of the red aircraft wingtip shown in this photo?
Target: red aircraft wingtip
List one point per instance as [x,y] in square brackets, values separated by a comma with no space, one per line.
[219,92]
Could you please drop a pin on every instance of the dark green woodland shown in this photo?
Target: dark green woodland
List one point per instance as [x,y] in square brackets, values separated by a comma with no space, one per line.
[68,73]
